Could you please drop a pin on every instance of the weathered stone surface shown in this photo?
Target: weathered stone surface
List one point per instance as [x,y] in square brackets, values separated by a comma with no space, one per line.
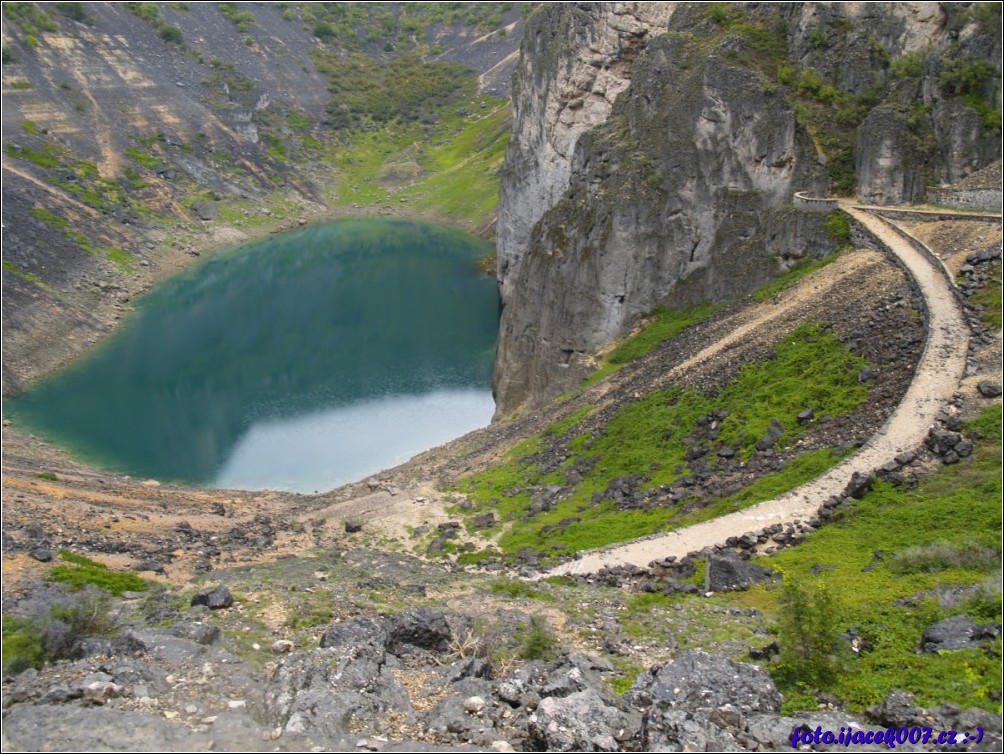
[215,598]
[422,628]
[355,632]
[205,210]
[200,633]
[956,632]
[696,680]
[989,389]
[728,572]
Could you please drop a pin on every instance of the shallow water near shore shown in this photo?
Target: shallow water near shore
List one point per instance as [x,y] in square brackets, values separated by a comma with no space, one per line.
[298,362]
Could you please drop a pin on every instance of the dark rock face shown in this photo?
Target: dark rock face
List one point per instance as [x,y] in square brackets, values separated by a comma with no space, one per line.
[423,627]
[676,188]
[215,598]
[200,633]
[355,632]
[700,702]
[888,168]
[989,389]
[728,572]
[957,632]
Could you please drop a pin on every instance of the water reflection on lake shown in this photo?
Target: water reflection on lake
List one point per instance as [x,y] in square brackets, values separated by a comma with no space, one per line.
[345,347]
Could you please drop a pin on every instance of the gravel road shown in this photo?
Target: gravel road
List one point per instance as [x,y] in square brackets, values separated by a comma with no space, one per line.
[938,374]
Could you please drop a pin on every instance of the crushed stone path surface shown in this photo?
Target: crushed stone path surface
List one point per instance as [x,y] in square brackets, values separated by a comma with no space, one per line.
[939,371]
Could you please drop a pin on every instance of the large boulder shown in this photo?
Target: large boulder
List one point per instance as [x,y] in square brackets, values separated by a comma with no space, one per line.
[957,632]
[696,680]
[728,572]
[421,628]
[214,597]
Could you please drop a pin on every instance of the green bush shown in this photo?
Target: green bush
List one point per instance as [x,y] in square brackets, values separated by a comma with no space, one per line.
[242,19]
[908,65]
[51,627]
[538,641]
[807,628]
[172,34]
[838,225]
[75,11]
[966,76]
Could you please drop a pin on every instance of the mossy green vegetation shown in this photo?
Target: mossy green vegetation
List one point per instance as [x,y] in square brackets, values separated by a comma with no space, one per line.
[989,297]
[12,268]
[142,157]
[645,439]
[449,169]
[399,26]
[52,627]
[32,19]
[663,324]
[893,563]
[796,272]
[81,571]
[150,12]
[50,218]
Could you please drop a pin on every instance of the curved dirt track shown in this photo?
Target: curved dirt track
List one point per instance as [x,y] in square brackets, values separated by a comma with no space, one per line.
[939,371]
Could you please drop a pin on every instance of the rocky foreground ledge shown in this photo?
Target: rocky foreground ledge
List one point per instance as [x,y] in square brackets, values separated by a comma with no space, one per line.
[421,680]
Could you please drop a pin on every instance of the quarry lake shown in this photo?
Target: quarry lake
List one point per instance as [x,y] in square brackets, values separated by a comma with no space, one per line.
[298,362]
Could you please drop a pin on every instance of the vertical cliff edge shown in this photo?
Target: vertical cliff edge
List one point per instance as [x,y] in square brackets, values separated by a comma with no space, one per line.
[656,148]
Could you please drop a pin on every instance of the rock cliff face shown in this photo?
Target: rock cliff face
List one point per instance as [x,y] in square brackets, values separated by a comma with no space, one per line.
[656,148]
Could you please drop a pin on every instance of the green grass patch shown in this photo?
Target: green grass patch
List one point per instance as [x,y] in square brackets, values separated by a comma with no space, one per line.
[888,557]
[46,156]
[811,369]
[81,240]
[122,259]
[989,297]
[988,424]
[20,84]
[560,427]
[50,218]
[799,270]
[47,475]
[12,268]
[449,170]
[517,590]
[646,439]
[141,157]
[81,572]
[665,325]
[620,684]
[297,121]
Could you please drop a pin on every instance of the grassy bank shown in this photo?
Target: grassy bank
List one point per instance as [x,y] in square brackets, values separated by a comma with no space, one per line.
[578,464]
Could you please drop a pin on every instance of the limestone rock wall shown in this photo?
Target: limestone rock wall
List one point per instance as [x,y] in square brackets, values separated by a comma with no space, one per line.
[656,149]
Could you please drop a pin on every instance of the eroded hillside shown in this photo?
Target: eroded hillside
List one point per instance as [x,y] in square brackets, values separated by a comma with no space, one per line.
[138,136]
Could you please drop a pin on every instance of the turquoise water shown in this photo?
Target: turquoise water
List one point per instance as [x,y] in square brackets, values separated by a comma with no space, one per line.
[298,362]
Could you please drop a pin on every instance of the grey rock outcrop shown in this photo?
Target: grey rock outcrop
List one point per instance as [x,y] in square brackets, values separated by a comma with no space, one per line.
[670,188]
[653,161]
